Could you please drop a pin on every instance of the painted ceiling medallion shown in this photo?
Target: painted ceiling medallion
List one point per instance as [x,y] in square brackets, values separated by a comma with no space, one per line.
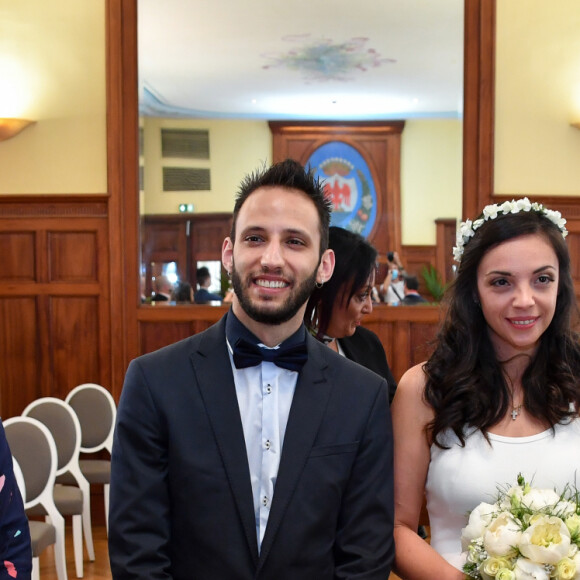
[325,60]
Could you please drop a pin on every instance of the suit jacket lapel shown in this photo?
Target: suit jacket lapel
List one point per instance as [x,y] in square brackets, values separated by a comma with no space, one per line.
[213,371]
[306,413]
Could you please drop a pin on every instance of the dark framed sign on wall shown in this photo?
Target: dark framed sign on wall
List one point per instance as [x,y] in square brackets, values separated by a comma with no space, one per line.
[360,166]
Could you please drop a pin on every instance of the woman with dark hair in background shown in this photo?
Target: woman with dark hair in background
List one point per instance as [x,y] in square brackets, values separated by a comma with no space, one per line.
[336,309]
[182,293]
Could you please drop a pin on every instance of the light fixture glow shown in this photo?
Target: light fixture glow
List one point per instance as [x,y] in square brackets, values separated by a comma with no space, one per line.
[10,127]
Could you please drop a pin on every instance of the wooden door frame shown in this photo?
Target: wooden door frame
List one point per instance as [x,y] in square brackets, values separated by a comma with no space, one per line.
[122,153]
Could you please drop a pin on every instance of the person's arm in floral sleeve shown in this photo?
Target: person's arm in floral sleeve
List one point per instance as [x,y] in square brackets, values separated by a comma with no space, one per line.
[15,547]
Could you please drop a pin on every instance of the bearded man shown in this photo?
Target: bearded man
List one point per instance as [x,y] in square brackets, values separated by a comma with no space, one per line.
[250,450]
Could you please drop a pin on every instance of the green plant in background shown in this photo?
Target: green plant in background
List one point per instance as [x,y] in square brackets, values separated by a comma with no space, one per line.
[224,282]
[433,282]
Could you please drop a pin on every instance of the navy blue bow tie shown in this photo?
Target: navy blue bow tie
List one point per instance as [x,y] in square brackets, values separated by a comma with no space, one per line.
[246,354]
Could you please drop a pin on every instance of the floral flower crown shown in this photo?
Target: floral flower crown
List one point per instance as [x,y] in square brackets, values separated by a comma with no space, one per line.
[468,228]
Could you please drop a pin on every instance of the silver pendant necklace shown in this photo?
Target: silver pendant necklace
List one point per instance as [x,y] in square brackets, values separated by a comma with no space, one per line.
[516,411]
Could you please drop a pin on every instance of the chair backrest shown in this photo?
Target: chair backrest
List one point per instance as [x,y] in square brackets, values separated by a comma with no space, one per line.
[97,411]
[64,427]
[19,478]
[34,449]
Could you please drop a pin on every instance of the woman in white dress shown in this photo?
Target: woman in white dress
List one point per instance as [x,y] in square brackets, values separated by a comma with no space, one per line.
[497,397]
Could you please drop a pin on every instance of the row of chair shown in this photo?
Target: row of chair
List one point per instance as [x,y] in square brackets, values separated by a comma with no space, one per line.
[46,442]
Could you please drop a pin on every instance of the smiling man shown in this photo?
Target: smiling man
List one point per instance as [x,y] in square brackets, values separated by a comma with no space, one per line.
[250,450]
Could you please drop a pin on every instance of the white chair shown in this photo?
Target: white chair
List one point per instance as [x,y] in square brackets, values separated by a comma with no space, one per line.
[42,534]
[34,450]
[97,412]
[64,426]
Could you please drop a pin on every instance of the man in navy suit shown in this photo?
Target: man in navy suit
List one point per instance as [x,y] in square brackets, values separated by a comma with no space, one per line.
[251,450]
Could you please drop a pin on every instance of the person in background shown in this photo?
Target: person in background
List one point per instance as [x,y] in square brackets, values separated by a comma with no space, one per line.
[391,290]
[251,451]
[202,294]
[499,395]
[335,310]
[15,546]
[182,293]
[411,291]
[163,289]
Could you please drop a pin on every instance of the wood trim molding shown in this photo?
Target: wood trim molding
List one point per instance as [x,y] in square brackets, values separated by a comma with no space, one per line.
[123,183]
[58,206]
[479,104]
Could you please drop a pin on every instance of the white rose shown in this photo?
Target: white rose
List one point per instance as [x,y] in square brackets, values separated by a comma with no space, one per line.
[538,499]
[576,560]
[490,568]
[526,570]
[502,535]
[505,574]
[479,519]
[546,540]
[565,569]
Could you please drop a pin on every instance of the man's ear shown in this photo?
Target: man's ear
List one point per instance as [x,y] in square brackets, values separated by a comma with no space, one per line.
[326,267]
[228,255]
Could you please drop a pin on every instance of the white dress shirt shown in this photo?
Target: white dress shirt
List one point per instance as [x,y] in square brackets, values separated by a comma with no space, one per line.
[264,395]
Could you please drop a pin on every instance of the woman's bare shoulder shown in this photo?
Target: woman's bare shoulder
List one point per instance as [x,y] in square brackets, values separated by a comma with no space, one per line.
[409,397]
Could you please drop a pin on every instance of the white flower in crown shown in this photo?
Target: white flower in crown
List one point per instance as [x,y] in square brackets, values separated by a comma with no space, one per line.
[468,228]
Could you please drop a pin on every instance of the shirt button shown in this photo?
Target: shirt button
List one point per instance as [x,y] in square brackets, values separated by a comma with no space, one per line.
[267,444]
[264,501]
[268,389]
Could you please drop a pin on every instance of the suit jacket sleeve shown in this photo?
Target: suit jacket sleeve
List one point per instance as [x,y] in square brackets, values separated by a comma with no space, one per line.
[139,526]
[364,546]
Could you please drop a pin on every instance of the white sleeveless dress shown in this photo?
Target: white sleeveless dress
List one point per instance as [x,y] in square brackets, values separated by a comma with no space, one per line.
[460,478]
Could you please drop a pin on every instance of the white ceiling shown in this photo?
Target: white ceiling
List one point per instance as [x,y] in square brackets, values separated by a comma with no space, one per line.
[301,59]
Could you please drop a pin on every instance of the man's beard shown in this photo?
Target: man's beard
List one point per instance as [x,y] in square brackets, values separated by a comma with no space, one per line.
[285,312]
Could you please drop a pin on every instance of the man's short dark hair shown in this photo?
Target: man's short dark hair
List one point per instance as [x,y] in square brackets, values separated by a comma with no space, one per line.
[202,275]
[412,282]
[289,174]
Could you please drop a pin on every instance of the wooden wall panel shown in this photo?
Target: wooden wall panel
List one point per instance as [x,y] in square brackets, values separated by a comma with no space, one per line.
[72,256]
[54,297]
[74,338]
[208,233]
[404,331]
[20,373]
[155,335]
[17,250]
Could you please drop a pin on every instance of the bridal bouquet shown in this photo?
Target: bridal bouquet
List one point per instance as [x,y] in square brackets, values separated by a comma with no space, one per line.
[527,534]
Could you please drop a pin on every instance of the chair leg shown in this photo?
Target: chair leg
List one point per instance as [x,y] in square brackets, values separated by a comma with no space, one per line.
[35,569]
[59,547]
[87,529]
[106,496]
[78,544]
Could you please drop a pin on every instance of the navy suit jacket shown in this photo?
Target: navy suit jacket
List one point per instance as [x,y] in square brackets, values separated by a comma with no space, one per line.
[181,499]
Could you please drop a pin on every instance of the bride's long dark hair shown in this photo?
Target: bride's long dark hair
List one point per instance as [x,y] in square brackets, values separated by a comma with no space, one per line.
[465,382]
